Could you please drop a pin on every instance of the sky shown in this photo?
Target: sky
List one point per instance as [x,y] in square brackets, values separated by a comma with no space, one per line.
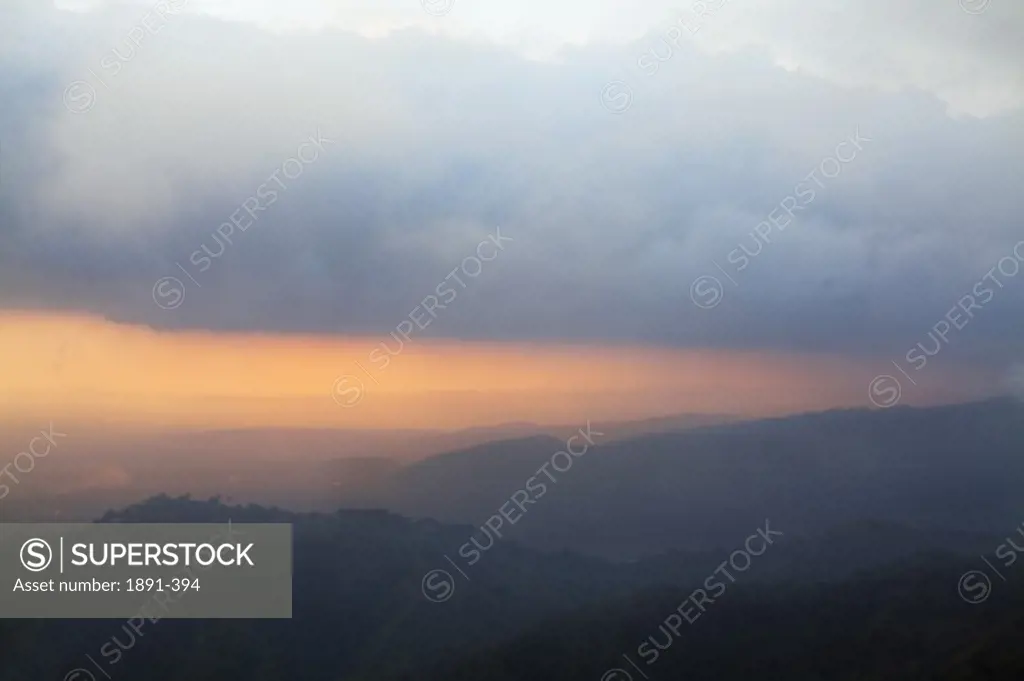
[387,214]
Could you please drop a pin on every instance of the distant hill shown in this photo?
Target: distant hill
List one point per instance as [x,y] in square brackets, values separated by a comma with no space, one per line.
[954,467]
[307,469]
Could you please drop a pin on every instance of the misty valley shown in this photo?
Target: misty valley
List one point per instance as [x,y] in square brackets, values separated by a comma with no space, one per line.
[668,551]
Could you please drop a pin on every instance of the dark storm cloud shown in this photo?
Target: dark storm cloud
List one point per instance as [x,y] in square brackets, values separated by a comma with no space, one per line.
[435,142]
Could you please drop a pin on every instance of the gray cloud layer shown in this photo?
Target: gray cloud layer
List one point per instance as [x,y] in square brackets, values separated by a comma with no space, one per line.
[440,136]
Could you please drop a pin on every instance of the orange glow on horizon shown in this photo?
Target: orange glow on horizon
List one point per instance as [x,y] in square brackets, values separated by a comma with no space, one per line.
[85,368]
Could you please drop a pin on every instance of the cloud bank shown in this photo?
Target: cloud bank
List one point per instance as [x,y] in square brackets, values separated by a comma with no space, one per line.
[131,134]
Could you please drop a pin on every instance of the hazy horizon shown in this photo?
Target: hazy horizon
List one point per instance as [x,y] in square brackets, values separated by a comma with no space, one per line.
[91,369]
